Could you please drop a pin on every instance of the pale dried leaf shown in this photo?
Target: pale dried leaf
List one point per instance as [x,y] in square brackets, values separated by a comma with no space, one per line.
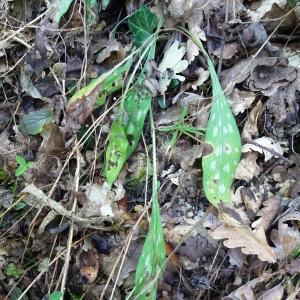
[236,257]
[99,201]
[250,242]
[286,238]
[203,75]
[250,129]
[264,8]
[172,60]
[240,100]
[267,213]
[274,293]
[247,167]
[245,292]
[278,146]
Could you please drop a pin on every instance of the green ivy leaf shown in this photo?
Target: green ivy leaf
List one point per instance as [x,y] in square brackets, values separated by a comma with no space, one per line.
[33,122]
[142,24]
[116,152]
[23,165]
[223,136]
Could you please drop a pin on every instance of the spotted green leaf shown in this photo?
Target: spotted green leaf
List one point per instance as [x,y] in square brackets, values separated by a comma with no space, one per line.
[116,152]
[152,259]
[142,24]
[136,105]
[56,295]
[223,136]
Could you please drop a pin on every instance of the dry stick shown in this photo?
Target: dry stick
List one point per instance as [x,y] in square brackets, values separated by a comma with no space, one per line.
[71,231]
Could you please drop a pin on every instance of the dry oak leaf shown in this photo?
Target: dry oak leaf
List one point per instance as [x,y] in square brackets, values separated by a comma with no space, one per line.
[250,242]
[245,292]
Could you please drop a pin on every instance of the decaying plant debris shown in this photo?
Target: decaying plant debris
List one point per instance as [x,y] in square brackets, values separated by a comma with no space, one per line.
[149,149]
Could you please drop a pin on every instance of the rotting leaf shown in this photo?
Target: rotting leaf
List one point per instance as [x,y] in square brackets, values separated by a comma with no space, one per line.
[142,24]
[94,94]
[33,122]
[116,152]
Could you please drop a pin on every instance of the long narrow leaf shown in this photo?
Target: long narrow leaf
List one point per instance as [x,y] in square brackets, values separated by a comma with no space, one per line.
[223,137]
[151,262]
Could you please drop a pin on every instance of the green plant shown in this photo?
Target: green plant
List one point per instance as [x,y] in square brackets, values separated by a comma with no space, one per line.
[180,128]
[127,128]
[23,165]
[56,295]
[152,259]
[222,139]
[13,271]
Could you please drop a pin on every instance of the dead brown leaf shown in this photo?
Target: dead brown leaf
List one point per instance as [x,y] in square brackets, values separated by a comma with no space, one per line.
[286,238]
[266,75]
[250,242]
[247,167]
[274,293]
[240,100]
[245,292]
[250,129]
[267,213]
[192,12]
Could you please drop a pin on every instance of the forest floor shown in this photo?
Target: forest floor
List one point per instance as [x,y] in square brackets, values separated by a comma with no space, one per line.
[118,130]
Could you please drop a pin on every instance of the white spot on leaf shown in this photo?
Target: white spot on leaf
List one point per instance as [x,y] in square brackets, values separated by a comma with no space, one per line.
[213,165]
[226,168]
[215,131]
[222,188]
